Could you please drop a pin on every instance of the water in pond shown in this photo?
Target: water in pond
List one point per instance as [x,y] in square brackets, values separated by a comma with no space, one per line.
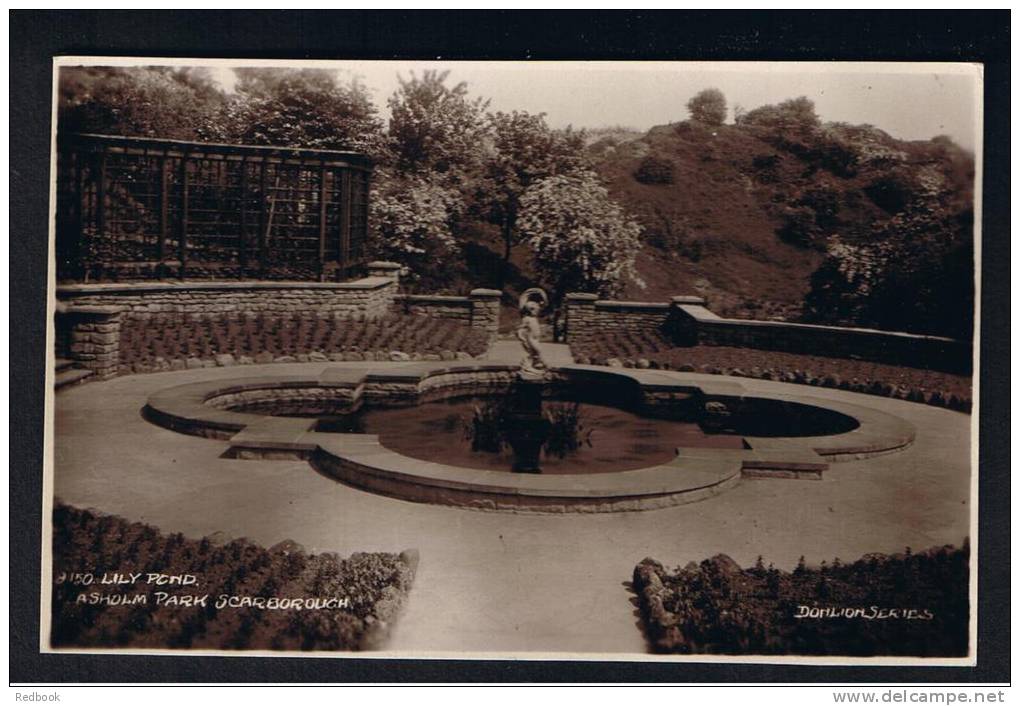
[609,439]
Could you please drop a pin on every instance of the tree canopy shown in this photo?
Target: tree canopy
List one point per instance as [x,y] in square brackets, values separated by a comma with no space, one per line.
[793,114]
[436,128]
[298,108]
[708,107]
[150,101]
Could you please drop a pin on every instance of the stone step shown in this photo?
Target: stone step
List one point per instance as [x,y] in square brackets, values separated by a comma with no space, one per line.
[71,376]
[63,364]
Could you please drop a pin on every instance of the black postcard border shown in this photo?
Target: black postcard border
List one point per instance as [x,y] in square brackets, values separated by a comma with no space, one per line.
[37,36]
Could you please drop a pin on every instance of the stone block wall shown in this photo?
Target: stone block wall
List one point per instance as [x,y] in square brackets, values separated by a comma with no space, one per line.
[90,335]
[588,317]
[686,321]
[370,297]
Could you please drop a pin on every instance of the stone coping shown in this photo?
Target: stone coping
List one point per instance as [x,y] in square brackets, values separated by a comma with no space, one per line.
[702,314]
[90,309]
[73,290]
[443,298]
[620,305]
[360,460]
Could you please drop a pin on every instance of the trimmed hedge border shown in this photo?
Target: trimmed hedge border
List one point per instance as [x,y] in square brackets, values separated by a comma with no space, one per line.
[93,612]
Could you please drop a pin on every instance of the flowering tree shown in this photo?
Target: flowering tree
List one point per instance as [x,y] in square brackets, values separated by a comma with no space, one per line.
[580,240]
[915,274]
[411,224]
[524,150]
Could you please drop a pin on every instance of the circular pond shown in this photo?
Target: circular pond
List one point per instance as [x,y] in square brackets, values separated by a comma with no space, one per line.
[585,439]
[577,437]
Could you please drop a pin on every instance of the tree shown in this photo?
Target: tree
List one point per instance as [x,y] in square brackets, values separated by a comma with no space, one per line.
[580,240]
[915,274]
[411,224]
[793,114]
[524,150]
[436,128]
[299,108]
[148,101]
[708,107]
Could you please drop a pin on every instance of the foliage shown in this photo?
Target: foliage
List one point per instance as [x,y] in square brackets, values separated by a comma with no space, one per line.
[580,239]
[85,542]
[915,274]
[795,114]
[654,170]
[489,426]
[160,102]
[299,108]
[524,150]
[906,604]
[567,429]
[708,107]
[412,223]
[436,128]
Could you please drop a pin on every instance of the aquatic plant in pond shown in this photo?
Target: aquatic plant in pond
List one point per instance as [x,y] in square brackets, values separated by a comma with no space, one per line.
[490,424]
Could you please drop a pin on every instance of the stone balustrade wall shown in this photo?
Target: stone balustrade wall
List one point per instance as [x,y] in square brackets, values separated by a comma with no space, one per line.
[686,321]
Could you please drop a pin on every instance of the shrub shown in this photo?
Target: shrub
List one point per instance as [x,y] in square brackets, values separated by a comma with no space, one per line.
[84,542]
[907,604]
[654,170]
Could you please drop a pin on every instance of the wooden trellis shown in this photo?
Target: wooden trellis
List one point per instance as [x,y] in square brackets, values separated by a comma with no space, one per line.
[138,208]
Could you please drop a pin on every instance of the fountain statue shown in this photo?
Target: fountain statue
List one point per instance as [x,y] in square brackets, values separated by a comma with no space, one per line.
[532,303]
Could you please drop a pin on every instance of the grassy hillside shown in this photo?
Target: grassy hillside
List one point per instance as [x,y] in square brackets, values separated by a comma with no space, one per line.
[741,214]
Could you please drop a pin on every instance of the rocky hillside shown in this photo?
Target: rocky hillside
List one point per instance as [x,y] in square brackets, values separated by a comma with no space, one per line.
[742,213]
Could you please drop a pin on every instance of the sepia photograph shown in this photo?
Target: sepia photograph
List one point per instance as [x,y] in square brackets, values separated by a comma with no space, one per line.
[615,360]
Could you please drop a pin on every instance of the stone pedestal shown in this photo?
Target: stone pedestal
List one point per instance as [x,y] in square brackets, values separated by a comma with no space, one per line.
[485,312]
[528,428]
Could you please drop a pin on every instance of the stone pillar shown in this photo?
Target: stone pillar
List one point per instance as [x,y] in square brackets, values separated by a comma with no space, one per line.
[485,312]
[580,323]
[381,268]
[681,326]
[93,337]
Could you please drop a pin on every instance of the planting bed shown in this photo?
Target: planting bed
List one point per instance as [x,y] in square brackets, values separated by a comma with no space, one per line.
[148,614]
[645,349]
[904,605]
[174,341]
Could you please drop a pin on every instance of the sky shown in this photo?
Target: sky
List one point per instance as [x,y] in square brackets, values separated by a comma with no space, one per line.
[909,101]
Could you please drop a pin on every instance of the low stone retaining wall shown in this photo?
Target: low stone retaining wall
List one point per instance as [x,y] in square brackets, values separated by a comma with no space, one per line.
[687,321]
[370,297]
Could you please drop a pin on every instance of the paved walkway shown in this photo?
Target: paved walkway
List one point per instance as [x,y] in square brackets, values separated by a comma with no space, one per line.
[496,582]
[511,353]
